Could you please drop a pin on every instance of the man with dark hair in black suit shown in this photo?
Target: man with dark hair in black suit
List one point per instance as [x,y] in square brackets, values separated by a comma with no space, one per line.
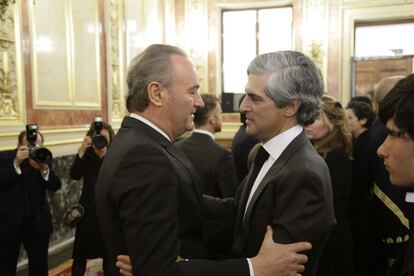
[214,165]
[24,210]
[397,151]
[385,225]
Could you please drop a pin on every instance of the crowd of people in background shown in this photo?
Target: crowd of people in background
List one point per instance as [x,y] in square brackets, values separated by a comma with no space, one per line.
[301,162]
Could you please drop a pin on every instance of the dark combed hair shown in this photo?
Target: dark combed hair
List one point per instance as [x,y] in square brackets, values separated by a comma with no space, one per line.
[362,111]
[23,134]
[363,99]
[201,115]
[398,104]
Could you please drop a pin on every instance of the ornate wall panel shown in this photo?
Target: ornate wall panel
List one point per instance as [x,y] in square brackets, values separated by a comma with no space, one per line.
[11,100]
[315,32]
[51,49]
[134,17]
[86,53]
[116,60]
[195,40]
[67,52]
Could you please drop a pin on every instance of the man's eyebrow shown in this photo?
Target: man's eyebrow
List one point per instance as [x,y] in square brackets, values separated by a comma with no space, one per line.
[252,94]
[395,133]
[197,86]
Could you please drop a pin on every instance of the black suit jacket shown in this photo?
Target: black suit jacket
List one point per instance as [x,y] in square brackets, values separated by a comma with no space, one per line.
[404,264]
[215,168]
[148,206]
[295,197]
[23,198]
[213,164]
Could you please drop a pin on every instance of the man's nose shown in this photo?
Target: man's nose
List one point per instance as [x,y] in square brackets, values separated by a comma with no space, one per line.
[198,101]
[381,151]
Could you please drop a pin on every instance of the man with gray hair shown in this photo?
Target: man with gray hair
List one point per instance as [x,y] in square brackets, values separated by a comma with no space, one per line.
[288,186]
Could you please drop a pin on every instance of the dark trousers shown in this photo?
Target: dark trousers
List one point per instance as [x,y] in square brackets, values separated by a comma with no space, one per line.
[36,247]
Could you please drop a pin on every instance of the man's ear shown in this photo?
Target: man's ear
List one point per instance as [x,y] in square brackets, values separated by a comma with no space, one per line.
[156,92]
[292,108]
[212,118]
[363,121]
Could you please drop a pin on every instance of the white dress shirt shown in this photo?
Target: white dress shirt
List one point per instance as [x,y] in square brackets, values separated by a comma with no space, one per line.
[149,123]
[202,131]
[274,147]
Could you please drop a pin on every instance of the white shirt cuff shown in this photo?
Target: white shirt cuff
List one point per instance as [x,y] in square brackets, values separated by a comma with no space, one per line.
[45,175]
[250,267]
[17,169]
[409,197]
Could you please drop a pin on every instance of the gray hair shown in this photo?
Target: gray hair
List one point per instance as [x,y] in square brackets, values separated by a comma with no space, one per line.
[293,76]
[153,64]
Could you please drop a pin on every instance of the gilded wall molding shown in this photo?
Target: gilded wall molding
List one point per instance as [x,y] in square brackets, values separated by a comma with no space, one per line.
[315,32]
[10,73]
[116,59]
[196,39]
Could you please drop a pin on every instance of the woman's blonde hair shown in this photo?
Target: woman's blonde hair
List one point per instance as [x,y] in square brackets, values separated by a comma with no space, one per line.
[340,135]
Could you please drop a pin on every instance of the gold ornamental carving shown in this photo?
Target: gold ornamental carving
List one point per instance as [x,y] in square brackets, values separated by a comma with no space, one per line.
[8,77]
[316,33]
[196,39]
[4,4]
[115,39]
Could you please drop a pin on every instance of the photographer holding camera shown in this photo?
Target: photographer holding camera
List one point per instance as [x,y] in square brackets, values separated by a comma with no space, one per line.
[25,217]
[88,240]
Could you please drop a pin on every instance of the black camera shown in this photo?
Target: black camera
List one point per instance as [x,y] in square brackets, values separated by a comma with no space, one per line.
[38,154]
[98,140]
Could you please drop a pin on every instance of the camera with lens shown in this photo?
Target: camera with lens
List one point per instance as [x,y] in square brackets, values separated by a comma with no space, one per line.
[36,153]
[98,140]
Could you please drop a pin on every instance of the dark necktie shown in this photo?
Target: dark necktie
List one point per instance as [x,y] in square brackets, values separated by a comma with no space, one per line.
[259,159]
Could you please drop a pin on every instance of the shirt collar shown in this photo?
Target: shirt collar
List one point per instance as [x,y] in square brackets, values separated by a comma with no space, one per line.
[279,143]
[205,132]
[149,123]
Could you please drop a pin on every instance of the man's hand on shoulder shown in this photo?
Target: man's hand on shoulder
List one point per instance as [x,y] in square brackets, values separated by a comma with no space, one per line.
[280,259]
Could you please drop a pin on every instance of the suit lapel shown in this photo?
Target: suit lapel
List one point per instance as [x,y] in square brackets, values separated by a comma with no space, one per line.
[130,122]
[297,143]
[178,155]
[243,200]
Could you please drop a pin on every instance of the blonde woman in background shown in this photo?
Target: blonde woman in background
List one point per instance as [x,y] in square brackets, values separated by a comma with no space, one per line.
[332,139]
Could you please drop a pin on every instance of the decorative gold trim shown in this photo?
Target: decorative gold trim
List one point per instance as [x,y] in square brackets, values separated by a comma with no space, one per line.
[116,60]
[391,206]
[4,5]
[48,131]
[315,36]
[196,39]
[11,79]
[64,142]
